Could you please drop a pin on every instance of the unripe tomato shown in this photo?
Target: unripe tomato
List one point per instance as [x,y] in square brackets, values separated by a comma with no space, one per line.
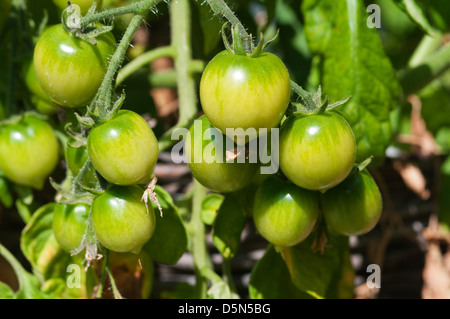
[238,91]
[29,150]
[124,149]
[318,151]
[207,160]
[69,224]
[284,214]
[120,219]
[84,4]
[70,70]
[39,98]
[354,206]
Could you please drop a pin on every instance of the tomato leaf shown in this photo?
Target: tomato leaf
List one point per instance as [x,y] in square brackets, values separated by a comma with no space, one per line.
[5,291]
[229,224]
[276,286]
[169,241]
[210,206]
[321,275]
[354,64]
[418,11]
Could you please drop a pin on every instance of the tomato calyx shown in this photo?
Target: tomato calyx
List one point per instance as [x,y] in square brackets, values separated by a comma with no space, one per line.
[71,22]
[311,103]
[238,48]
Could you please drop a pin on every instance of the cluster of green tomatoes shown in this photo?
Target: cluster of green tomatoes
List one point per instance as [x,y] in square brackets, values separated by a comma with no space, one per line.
[318,175]
[65,73]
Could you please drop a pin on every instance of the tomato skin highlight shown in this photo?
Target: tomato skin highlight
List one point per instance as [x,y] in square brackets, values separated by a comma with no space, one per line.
[70,70]
[284,214]
[317,152]
[121,221]
[238,91]
[69,224]
[353,207]
[29,150]
[124,149]
[213,171]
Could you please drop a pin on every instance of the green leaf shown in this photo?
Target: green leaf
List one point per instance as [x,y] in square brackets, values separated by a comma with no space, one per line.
[48,259]
[219,288]
[321,274]
[29,284]
[229,224]
[169,241]
[416,11]
[276,286]
[210,206]
[354,64]
[5,291]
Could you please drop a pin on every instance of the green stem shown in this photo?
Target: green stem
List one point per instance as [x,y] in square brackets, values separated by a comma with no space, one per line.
[414,79]
[15,264]
[140,7]
[219,7]
[198,248]
[180,16]
[142,60]
[102,101]
[228,275]
[426,47]
[169,78]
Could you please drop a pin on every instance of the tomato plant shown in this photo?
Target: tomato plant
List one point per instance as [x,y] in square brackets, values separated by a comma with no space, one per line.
[69,224]
[57,54]
[354,206]
[121,221]
[251,147]
[124,149]
[29,150]
[211,159]
[317,151]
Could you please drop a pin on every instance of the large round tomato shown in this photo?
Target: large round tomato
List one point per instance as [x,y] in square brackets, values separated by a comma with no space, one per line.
[120,219]
[29,150]
[70,70]
[317,151]
[124,149]
[284,213]
[238,91]
[69,224]
[207,159]
[354,206]
[83,4]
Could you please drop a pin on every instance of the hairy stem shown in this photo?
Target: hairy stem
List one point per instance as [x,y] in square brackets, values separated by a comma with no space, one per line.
[221,8]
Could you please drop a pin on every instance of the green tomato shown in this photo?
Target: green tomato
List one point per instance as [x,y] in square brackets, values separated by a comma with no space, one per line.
[284,214]
[354,206]
[238,91]
[83,4]
[317,152]
[207,159]
[124,149]
[70,70]
[120,219]
[29,150]
[69,224]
